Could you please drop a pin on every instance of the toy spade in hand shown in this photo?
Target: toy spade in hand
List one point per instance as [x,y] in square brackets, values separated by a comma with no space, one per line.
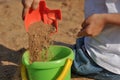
[42,13]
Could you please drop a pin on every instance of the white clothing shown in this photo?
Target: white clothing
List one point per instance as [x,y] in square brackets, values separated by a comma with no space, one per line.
[104,49]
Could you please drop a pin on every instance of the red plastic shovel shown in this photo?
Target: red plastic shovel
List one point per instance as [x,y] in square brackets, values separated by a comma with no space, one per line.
[42,13]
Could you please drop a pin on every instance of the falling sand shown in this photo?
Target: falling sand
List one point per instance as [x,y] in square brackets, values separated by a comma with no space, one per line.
[39,41]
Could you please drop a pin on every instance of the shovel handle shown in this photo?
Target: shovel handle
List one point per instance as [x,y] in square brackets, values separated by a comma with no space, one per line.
[65,70]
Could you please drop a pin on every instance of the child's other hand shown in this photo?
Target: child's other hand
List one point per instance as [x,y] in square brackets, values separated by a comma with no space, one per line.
[92,26]
[29,4]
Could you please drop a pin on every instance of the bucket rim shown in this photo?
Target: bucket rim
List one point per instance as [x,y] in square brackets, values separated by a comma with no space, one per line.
[48,64]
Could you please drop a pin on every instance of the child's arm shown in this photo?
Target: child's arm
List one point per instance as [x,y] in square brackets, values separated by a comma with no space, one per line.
[94,24]
[112,18]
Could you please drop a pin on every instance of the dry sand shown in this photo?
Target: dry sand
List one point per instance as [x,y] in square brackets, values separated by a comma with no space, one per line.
[14,40]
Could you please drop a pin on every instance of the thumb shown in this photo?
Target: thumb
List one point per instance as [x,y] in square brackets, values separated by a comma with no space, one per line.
[35,4]
[26,6]
[82,33]
[25,10]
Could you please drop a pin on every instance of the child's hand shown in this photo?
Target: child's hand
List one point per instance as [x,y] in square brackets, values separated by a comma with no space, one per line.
[92,26]
[29,4]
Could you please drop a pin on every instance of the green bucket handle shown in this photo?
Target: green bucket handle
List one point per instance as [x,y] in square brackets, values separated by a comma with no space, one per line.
[61,77]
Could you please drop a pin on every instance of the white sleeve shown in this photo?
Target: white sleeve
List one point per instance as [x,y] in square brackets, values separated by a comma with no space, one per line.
[113,6]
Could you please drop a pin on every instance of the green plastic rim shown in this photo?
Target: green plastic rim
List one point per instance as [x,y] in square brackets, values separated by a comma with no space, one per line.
[62,53]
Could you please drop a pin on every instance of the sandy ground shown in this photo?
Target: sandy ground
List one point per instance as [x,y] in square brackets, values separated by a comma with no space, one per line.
[14,40]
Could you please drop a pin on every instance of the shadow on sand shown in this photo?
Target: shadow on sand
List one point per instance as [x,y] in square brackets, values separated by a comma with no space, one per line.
[10,61]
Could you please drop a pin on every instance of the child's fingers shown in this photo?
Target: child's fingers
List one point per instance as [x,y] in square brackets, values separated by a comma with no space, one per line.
[82,33]
[35,4]
[27,5]
[25,10]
